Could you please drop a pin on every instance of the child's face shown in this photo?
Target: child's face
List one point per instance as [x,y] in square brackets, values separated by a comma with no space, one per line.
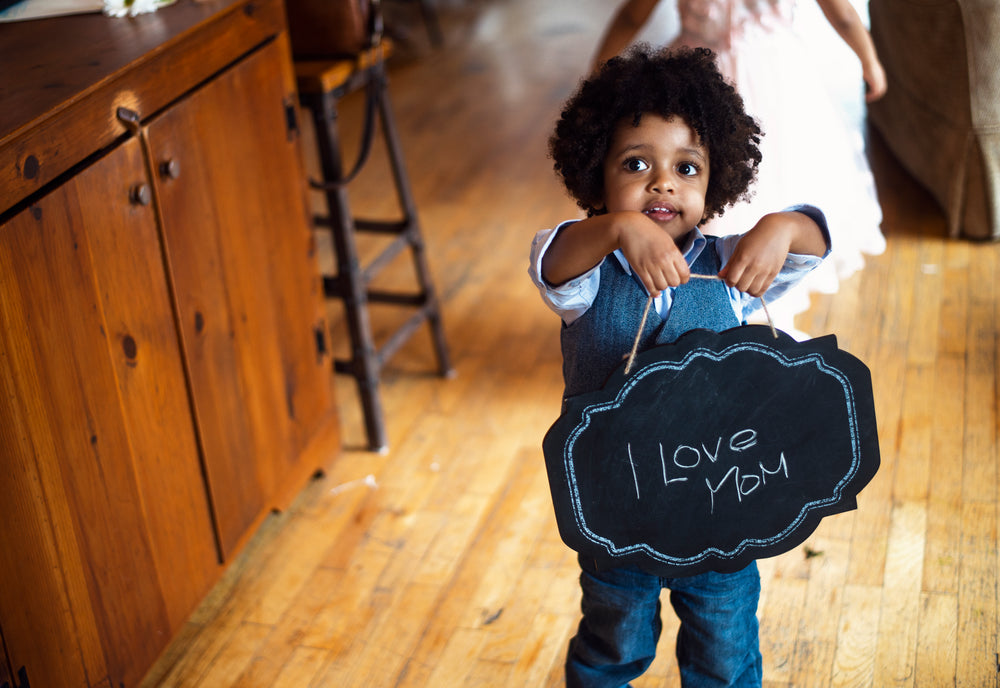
[659,168]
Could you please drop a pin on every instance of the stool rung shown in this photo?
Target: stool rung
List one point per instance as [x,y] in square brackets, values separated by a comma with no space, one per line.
[350,366]
[385,257]
[333,285]
[397,299]
[333,288]
[383,226]
[390,346]
[403,333]
[373,226]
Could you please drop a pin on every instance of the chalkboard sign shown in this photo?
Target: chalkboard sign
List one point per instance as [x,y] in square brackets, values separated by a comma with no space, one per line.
[715,450]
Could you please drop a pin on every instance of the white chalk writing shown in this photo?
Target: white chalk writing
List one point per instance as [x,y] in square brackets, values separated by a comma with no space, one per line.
[635,478]
[744,481]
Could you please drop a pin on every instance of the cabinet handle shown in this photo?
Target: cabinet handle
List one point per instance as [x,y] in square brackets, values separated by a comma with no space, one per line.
[140,194]
[170,169]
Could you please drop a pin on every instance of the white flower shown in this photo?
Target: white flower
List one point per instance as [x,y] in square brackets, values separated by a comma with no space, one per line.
[122,8]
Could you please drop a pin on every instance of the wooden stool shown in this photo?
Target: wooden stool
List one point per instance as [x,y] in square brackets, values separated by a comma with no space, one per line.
[321,84]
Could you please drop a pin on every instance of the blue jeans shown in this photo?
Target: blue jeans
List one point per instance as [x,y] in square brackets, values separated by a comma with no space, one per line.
[717,644]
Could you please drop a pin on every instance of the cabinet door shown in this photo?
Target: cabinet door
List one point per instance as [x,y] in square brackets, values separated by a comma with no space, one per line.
[107,542]
[240,251]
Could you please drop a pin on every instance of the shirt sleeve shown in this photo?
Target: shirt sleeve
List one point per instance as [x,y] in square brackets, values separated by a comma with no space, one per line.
[571,299]
[796,266]
[817,216]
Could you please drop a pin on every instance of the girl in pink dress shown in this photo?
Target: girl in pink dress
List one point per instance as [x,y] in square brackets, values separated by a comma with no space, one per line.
[811,151]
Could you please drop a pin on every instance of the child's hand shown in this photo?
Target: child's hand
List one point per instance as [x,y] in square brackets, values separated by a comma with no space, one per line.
[652,253]
[760,253]
[758,258]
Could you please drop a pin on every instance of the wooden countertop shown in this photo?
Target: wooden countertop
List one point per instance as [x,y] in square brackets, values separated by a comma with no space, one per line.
[63,79]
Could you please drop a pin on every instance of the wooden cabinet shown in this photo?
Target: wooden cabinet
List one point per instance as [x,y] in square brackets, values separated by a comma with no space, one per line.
[163,379]
[102,495]
[247,291]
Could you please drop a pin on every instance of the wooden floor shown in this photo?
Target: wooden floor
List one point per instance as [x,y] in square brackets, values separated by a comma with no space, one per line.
[438,564]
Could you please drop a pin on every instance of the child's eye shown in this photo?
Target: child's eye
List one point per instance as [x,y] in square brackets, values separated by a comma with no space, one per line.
[635,165]
[688,169]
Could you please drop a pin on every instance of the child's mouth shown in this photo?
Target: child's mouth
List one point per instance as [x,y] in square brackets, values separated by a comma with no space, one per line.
[661,212]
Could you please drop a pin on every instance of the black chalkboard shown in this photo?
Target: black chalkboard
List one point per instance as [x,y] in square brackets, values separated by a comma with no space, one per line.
[715,450]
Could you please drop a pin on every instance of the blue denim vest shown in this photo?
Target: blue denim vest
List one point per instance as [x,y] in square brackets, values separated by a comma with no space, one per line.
[596,343]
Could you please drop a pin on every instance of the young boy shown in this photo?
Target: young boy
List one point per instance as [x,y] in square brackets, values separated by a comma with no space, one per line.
[652,146]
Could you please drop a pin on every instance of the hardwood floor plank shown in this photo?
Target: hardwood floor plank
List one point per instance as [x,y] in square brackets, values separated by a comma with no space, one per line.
[936,644]
[816,643]
[300,669]
[897,302]
[944,508]
[544,649]
[467,602]
[189,659]
[980,471]
[349,606]
[234,655]
[285,640]
[928,293]
[977,596]
[455,667]
[873,516]
[857,638]
[897,642]
[533,585]
[917,418]
[781,618]
[297,555]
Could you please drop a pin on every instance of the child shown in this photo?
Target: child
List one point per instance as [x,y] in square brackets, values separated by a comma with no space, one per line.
[812,148]
[651,147]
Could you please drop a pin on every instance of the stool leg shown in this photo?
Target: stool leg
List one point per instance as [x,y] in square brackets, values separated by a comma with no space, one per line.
[433,26]
[431,306]
[349,283]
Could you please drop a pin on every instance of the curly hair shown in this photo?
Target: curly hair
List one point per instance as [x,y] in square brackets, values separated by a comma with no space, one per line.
[683,83]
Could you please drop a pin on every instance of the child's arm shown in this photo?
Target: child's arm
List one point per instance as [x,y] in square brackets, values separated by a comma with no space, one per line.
[652,253]
[630,17]
[761,252]
[845,20]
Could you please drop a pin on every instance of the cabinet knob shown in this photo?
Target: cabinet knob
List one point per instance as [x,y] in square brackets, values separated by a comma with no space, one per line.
[170,169]
[140,194]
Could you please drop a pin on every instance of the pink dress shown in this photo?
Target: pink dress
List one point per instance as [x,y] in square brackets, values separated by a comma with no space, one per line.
[811,152]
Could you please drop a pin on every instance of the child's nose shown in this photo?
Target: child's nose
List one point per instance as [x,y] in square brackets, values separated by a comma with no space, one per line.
[662,182]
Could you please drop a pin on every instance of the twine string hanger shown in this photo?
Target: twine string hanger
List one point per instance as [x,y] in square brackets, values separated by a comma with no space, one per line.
[645,315]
